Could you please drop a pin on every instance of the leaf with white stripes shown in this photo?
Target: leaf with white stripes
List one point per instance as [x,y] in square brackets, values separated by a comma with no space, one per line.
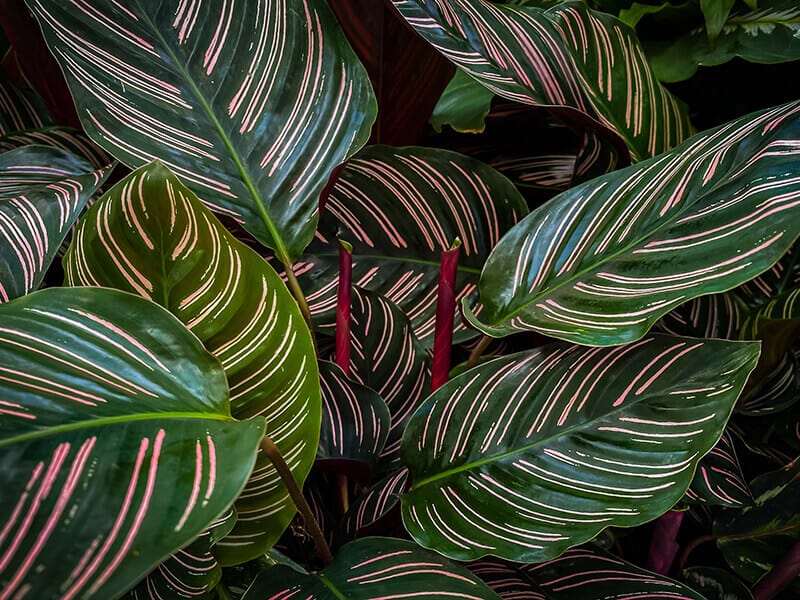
[587,63]
[355,419]
[252,113]
[151,236]
[401,208]
[191,573]
[525,456]
[585,573]
[601,263]
[42,191]
[373,568]
[117,445]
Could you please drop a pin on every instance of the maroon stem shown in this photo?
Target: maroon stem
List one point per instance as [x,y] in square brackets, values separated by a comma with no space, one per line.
[343,301]
[782,574]
[664,546]
[445,314]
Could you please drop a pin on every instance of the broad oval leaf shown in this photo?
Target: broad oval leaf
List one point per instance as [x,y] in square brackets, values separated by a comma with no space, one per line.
[372,568]
[116,442]
[600,263]
[151,236]
[568,56]
[355,419]
[525,456]
[401,208]
[252,113]
[42,191]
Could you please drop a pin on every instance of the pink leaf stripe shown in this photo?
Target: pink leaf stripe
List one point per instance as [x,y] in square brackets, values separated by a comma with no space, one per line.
[706,217]
[195,85]
[375,503]
[568,56]
[18,111]
[152,237]
[375,569]
[68,139]
[110,443]
[594,436]
[401,208]
[719,479]
[42,191]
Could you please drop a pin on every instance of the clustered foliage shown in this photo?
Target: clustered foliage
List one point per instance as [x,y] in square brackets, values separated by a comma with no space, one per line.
[415,298]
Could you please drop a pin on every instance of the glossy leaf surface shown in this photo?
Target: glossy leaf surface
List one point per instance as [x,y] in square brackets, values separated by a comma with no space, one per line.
[355,419]
[115,429]
[401,208]
[151,236]
[525,456]
[42,191]
[71,140]
[252,114]
[372,568]
[600,263]
[463,106]
[568,56]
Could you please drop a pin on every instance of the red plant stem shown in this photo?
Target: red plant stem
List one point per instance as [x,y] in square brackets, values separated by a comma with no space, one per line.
[445,314]
[343,301]
[782,574]
[664,546]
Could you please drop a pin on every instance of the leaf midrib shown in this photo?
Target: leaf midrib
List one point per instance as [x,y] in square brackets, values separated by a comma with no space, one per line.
[106,421]
[280,248]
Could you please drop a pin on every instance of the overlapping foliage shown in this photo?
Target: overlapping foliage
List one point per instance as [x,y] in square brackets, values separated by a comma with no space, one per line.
[176,380]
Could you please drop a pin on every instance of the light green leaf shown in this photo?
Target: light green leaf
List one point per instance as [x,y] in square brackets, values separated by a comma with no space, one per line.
[464,105]
[151,236]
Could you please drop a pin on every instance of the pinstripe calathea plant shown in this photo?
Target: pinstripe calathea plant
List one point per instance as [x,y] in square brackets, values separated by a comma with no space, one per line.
[255,343]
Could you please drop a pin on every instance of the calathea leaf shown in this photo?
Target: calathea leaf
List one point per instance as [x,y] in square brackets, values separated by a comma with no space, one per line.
[525,456]
[117,445]
[19,109]
[464,105]
[66,138]
[579,574]
[600,263]
[151,236]
[372,568]
[42,191]
[755,538]
[252,114]
[401,208]
[719,480]
[355,419]
[712,316]
[716,584]
[587,63]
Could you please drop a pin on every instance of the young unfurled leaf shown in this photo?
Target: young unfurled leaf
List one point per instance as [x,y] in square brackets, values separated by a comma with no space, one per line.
[527,455]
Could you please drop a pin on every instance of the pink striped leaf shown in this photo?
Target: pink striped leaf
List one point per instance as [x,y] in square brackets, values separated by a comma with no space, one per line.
[525,456]
[712,316]
[601,263]
[372,569]
[716,584]
[252,113]
[66,138]
[401,208]
[355,420]
[586,573]
[20,109]
[754,539]
[150,235]
[192,573]
[587,63]
[387,357]
[375,504]
[784,275]
[113,420]
[719,480]
[42,191]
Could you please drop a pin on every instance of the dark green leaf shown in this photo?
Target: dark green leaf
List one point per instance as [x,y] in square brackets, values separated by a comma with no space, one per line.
[252,113]
[716,584]
[600,263]
[68,139]
[525,456]
[463,105]
[151,236]
[719,480]
[19,109]
[116,442]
